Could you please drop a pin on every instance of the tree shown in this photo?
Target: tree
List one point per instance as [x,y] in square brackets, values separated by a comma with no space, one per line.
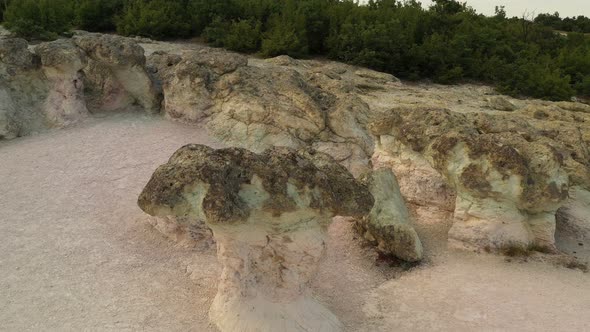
[155,19]
[43,19]
[98,15]
[3,7]
[287,33]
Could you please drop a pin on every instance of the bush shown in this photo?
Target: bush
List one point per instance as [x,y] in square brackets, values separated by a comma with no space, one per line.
[3,6]
[43,19]
[97,15]
[286,35]
[448,42]
[538,78]
[240,36]
[155,19]
[244,36]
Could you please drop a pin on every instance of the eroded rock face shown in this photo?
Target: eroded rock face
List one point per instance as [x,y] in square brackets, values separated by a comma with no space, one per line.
[486,159]
[115,75]
[389,223]
[61,82]
[62,63]
[510,176]
[269,213]
[23,90]
[273,103]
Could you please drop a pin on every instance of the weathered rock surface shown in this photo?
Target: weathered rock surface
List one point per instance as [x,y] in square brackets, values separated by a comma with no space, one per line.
[62,63]
[485,159]
[388,224]
[258,106]
[501,104]
[61,82]
[23,90]
[510,175]
[115,75]
[268,213]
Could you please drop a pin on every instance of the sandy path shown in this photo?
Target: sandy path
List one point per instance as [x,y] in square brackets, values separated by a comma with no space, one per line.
[74,255]
[78,256]
[465,292]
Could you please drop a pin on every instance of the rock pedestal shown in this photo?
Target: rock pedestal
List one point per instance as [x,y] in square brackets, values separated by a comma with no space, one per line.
[269,213]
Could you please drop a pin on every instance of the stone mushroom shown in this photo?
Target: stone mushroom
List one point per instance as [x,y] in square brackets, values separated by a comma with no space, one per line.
[269,213]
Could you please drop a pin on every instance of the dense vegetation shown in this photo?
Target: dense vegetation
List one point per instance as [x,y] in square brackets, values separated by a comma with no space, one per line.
[569,24]
[448,42]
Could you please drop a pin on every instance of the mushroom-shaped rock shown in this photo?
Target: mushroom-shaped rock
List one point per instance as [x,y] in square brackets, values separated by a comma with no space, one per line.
[269,213]
[388,224]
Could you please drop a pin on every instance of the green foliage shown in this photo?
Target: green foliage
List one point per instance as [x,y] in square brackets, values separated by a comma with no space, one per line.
[43,19]
[3,6]
[286,33]
[244,36]
[447,42]
[241,36]
[155,19]
[539,78]
[97,15]
[570,24]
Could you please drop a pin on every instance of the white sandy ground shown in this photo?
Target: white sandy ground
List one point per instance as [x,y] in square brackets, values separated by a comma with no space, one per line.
[77,255]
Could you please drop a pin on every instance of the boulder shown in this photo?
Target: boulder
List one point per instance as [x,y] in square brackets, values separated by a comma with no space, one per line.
[63,81]
[501,104]
[389,223]
[269,213]
[188,81]
[509,177]
[115,75]
[23,90]
[266,103]
[62,63]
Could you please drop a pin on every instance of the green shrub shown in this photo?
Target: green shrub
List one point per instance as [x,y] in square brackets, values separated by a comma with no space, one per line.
[216,32]
[3,6]
[155,19]
[538,77]
[286,35]
[448,42]
[44,19]
[97,15]
[244,36]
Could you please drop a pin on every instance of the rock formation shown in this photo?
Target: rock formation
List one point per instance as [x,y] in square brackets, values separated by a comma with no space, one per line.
[61,82]
[115,75]
[388,225]
[510,176]
[258,106]
[499,167]
[269,213]
[23,90]
[62,63]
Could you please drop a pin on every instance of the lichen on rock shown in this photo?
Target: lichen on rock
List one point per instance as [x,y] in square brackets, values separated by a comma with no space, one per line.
[268,213]
[389,222]
[510,178]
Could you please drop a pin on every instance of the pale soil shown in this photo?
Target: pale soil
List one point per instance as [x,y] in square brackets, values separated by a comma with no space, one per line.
[77,254]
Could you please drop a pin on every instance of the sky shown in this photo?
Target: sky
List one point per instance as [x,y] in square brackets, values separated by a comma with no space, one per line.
[518,7]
